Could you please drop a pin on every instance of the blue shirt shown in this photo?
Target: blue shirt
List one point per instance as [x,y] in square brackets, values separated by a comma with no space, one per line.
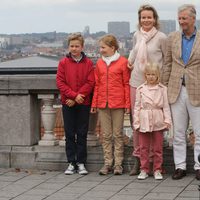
[187,44]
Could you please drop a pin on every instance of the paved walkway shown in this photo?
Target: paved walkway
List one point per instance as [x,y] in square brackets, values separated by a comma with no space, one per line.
[18,184]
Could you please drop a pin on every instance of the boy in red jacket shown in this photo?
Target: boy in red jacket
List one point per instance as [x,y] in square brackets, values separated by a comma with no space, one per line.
[75,80]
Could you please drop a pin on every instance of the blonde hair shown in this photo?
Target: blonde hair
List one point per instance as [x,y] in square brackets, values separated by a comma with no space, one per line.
[155,15]
[152,67]
[110,40]
[75,36]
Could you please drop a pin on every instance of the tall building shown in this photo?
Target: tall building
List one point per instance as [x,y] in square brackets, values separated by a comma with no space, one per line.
[119,29]
[86,31]
[167,26]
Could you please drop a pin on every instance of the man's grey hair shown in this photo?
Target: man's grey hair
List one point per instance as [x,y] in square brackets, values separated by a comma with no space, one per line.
[189,7]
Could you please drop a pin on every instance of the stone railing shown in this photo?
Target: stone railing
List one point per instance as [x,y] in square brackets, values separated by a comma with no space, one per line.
[25,101]
[21,99]
[20,107]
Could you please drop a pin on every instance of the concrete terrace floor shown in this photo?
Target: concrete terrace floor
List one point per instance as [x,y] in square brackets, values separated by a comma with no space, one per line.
[19,184]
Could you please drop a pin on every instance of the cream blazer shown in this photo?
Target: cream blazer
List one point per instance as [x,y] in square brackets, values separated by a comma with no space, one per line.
[174,69]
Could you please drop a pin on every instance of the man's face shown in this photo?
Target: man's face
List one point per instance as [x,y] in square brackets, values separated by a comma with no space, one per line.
[186,21]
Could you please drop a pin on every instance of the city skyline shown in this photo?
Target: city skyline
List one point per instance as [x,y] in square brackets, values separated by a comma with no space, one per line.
[34,16]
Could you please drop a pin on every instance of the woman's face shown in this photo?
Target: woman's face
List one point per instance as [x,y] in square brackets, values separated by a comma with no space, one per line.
[147,21]
[105,50]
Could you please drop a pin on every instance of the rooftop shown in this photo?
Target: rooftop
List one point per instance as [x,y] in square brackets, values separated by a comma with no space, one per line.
[29,65]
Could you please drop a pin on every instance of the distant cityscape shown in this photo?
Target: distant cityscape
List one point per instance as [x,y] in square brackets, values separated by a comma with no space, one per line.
[54,45]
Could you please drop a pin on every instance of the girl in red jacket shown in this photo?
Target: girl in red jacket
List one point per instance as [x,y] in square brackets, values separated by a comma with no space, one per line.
[75,80]
[112,98]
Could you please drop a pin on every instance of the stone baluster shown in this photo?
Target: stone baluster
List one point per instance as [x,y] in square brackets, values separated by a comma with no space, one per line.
[92,139]
[48,115]
[127,130]
[62,141]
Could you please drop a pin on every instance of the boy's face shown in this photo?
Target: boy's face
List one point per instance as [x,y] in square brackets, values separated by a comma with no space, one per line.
[75,48]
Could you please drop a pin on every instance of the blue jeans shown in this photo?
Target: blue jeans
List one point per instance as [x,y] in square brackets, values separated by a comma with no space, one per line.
[76,121]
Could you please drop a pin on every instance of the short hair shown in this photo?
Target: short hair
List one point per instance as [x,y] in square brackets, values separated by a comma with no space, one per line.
[152,67]
[75,36]
[110,40]
[190,8]
[155,14]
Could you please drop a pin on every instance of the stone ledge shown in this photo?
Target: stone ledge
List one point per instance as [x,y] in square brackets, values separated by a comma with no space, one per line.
[53,158]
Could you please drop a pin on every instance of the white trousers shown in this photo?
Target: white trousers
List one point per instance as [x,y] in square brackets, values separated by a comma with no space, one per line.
[182,111]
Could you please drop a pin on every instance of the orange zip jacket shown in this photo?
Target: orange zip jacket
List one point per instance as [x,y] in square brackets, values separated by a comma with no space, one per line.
[112,84]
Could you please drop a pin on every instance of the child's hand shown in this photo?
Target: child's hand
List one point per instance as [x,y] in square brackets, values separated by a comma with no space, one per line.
[168,126]
[79,98]
[93,110]
[127,110]
[70,102]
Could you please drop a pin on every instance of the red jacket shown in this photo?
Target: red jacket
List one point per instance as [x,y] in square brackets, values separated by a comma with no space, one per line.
[75,78]
[112,84]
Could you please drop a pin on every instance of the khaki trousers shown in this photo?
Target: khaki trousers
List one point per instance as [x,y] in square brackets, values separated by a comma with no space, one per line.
[112,128]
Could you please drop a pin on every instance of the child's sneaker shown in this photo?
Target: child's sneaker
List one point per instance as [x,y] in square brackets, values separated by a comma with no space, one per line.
[158,175]
[106,169]
[143,175]
[118,170]
[70,169]
[81,169]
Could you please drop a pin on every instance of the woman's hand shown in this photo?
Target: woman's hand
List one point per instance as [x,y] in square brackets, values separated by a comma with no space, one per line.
[130,66]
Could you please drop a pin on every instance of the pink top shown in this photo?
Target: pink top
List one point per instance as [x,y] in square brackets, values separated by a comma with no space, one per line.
[155,53]
[152,109]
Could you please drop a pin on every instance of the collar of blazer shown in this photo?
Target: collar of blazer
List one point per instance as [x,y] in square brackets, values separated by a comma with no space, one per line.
[195,47]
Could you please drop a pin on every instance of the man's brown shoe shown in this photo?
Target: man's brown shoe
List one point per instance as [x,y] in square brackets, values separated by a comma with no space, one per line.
[179,174]
[198,174]
[106,169]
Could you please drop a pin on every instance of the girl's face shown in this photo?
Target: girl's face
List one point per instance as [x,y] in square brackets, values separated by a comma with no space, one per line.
[151,78]
[147,20]
[75,48]
[105,50]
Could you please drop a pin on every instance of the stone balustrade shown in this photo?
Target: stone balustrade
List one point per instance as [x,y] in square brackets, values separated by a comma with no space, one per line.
[21,144]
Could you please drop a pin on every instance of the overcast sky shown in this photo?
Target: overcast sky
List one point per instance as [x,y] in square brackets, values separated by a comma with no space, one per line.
[38,16]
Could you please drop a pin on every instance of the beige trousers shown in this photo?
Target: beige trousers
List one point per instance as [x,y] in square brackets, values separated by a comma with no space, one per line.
[112,129]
